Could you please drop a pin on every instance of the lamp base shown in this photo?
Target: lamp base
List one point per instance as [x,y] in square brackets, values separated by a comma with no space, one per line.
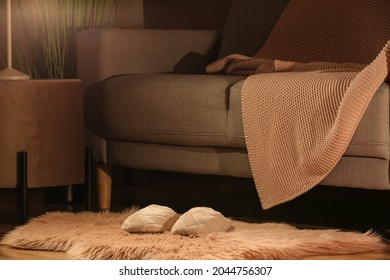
[10,73]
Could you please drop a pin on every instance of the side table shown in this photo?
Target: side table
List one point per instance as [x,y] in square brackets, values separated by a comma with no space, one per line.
[43,119]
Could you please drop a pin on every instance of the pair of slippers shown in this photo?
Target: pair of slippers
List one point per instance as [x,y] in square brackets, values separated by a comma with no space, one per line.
[156,219]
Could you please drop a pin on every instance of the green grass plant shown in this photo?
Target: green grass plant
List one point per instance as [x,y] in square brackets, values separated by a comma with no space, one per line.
[44,45]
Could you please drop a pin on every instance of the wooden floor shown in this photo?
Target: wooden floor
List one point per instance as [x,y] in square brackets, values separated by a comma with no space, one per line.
[233,197]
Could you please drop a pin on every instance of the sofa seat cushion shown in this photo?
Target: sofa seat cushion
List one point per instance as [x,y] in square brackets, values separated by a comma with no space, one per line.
[167,108]
[205,110]
[371,138]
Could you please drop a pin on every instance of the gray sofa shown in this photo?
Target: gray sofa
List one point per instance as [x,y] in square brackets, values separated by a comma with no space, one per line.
[150,105]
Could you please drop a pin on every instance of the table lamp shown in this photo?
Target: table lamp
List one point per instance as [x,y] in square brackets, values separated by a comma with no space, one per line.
[10,73]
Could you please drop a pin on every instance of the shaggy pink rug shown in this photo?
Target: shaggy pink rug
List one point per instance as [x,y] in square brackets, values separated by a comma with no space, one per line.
[89,235]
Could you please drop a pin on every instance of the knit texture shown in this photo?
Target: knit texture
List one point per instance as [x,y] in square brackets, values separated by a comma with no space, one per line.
[308,89]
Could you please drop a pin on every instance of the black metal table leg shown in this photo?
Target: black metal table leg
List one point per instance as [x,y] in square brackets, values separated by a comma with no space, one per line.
[21,184]
[88,178]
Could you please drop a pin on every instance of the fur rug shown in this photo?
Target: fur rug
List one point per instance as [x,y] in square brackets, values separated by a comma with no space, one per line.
[90,235]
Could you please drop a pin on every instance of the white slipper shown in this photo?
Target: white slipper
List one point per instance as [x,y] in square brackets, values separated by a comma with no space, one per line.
[200,220]
[153,218]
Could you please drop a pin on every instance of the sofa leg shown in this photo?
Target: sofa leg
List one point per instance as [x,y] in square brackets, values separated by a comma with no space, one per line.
[104,184]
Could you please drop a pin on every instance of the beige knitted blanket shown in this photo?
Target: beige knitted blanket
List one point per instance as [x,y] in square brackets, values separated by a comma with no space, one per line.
[308,88]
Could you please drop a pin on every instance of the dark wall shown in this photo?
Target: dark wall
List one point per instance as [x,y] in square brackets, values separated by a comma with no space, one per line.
[130,14]
[173,14]
[188,14]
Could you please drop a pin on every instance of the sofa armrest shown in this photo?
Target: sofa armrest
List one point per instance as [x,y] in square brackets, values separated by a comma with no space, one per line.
[103,53]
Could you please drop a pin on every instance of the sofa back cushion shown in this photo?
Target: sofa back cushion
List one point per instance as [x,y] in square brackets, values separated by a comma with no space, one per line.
[248,25]
[332,30]
[308,30]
